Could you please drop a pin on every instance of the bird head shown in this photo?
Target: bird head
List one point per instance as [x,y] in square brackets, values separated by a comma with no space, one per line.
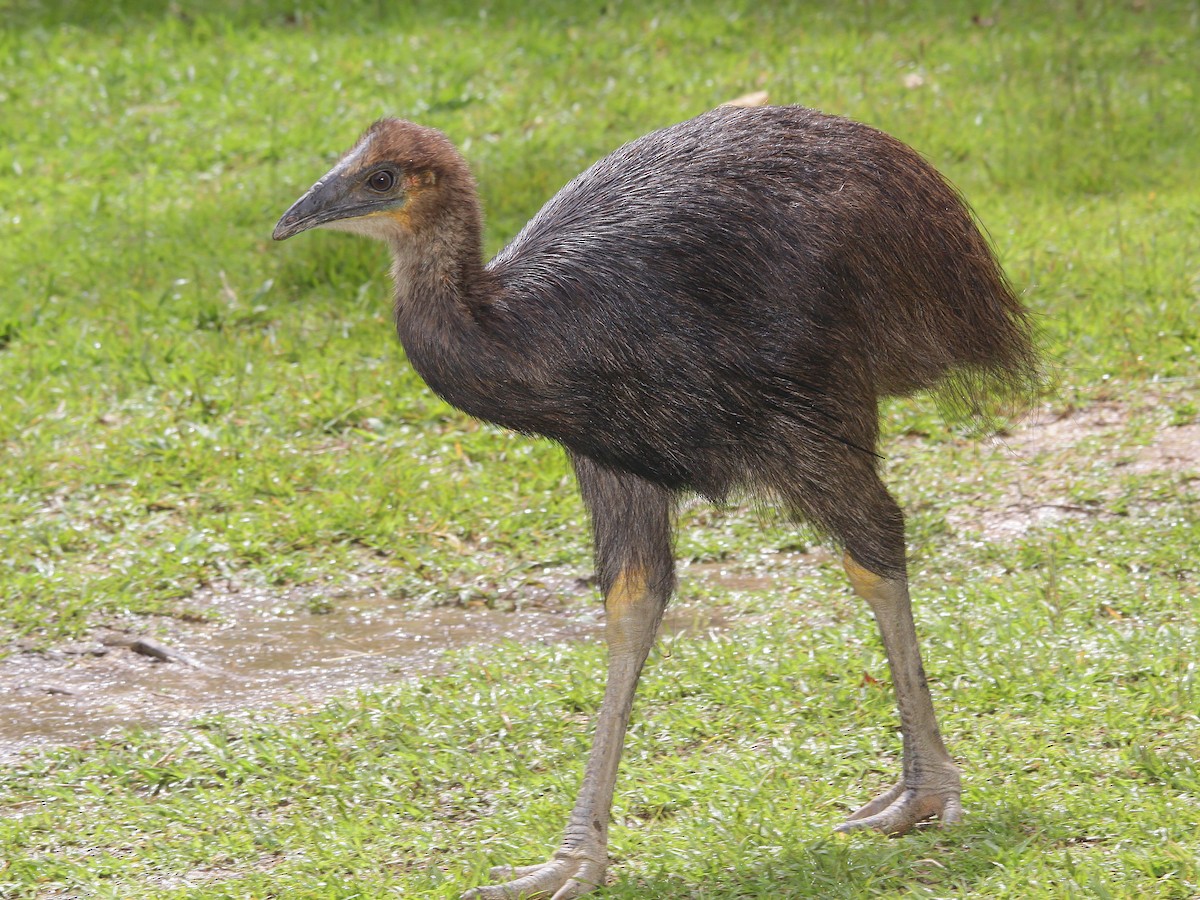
[381,188]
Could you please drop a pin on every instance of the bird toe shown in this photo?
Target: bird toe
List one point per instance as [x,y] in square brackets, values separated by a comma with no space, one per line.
[567,875]
[899,809]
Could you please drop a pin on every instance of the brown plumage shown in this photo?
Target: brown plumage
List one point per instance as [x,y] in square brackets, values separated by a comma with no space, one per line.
[718,306]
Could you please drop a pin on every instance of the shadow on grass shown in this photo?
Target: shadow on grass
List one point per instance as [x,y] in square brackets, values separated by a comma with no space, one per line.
[943,863]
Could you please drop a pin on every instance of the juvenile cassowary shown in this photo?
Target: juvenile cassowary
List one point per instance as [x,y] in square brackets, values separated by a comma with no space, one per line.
[716,307]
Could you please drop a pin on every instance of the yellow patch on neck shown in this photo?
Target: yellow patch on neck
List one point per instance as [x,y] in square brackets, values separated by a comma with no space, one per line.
[414,187]
[401,215]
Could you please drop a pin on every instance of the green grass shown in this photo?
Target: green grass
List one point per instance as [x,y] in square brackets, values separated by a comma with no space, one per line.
[185,402]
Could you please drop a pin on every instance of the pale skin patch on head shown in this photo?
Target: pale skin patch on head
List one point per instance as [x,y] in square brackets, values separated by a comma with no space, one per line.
[354,161]
[414,188]
[377,224]
[380,224]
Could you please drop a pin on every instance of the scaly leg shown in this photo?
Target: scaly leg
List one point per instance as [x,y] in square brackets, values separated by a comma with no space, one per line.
[929,785]
[631,520]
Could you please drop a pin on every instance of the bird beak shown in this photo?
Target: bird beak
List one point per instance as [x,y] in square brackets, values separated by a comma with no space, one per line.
[323,202]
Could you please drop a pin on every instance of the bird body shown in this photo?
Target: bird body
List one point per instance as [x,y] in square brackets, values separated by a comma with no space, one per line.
[717,306]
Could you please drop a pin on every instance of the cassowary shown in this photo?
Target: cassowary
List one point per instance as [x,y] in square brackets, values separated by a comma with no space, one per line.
[715,308]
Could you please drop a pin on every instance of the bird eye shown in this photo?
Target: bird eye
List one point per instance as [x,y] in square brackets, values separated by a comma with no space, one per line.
[381,181]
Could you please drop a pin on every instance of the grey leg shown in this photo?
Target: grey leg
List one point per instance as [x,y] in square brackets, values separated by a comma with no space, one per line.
[929,785]
[633,558]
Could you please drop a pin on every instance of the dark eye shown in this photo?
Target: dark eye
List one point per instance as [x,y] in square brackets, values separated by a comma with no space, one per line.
[381,181]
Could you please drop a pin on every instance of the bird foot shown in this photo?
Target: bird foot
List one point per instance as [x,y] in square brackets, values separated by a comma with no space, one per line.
[901,807]
[568,874]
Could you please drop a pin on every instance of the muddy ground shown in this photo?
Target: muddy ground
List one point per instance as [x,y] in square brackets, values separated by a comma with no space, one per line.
[293,649]
[258,647]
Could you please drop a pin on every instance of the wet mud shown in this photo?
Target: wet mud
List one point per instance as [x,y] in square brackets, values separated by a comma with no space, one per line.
[267,648]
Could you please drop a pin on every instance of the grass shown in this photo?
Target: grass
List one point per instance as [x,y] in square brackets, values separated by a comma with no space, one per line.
[186,403]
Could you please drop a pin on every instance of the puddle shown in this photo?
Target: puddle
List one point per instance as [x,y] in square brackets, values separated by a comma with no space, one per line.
[263,652]
[260,658]
[730,579]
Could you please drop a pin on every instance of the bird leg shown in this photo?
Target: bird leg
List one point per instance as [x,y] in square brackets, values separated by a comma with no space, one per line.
[929,785]
[577,867]
[633,559]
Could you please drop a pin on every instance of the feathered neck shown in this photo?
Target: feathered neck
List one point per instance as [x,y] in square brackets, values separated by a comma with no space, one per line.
[446,310]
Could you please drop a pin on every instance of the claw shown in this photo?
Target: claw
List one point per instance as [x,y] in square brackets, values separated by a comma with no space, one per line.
[568,874]
[899,808]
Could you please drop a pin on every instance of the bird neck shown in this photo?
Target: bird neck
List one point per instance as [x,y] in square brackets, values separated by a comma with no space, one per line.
[443,301]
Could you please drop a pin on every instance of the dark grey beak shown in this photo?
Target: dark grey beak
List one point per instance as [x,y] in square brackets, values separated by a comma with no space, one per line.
[335,197]
[318,206]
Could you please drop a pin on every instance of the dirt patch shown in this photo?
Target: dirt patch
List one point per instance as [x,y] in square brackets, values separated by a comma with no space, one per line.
[1040,448]
[1049,457]
[1172,448]
[1175,449]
